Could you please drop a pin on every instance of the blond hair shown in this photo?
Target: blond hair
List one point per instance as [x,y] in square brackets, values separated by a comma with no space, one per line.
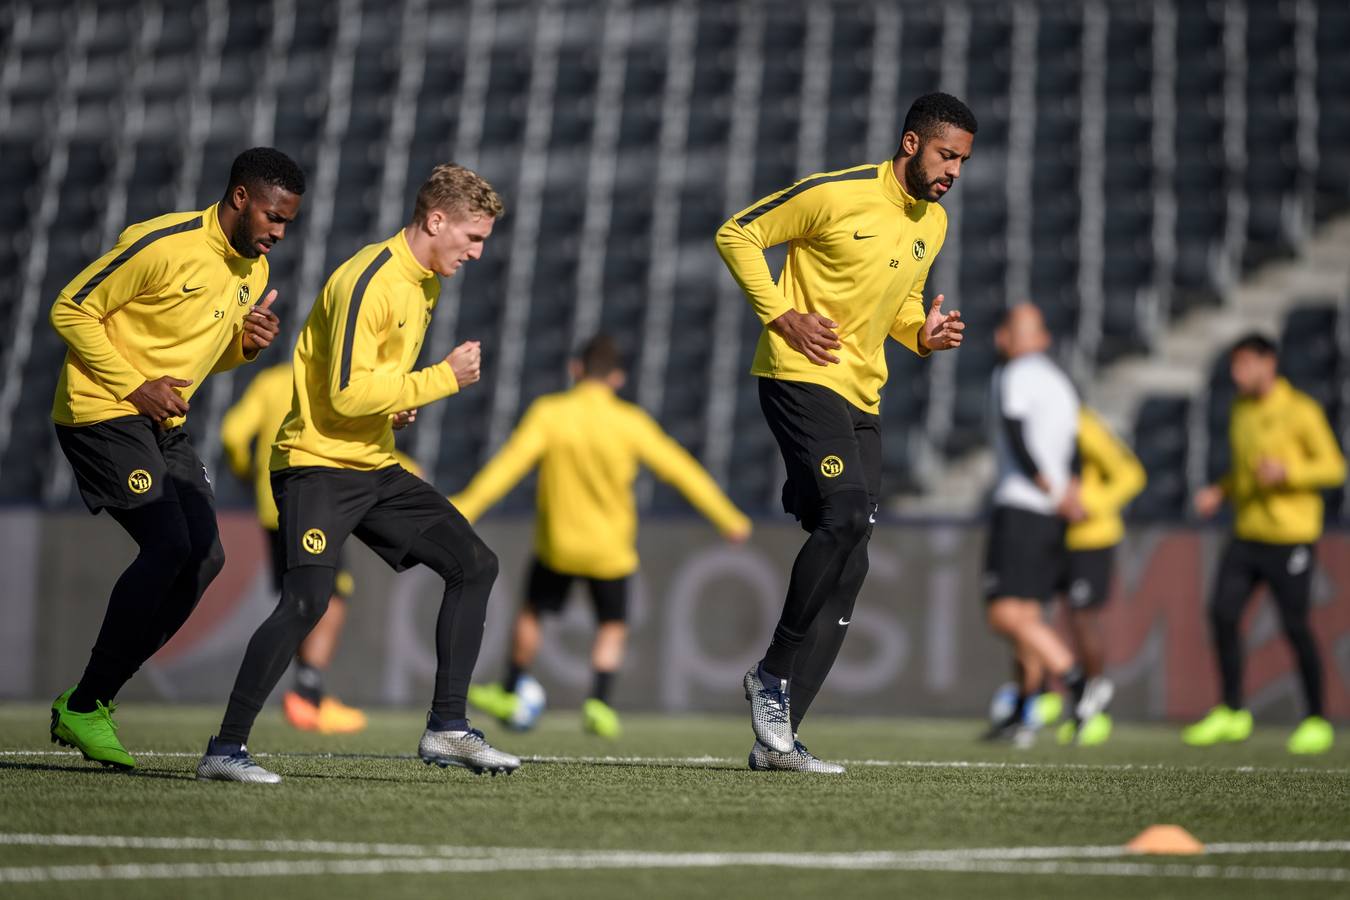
[459,192]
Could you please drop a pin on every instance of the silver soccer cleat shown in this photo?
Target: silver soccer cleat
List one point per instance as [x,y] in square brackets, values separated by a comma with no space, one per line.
[762,759]
[467,749]
[234,767]
[770,712]
[1097,695]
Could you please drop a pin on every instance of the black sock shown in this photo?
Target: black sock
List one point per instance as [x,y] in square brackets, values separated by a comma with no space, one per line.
[1075,683]
[601,684]
[308,682]
[513,673]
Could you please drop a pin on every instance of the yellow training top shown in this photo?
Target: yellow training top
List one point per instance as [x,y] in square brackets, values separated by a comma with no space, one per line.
[353,362]
[859,251]
[250,427]
[1111,478]
[168,299]
[588,444]
[1285,425]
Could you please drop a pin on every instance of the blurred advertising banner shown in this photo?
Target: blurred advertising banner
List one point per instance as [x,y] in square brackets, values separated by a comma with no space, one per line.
[701,612]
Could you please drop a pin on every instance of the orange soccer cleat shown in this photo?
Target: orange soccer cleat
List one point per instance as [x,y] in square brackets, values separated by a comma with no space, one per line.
[330,716]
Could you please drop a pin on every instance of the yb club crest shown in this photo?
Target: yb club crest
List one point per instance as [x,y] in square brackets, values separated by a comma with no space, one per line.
[243,294]
[919,248]
[314,541]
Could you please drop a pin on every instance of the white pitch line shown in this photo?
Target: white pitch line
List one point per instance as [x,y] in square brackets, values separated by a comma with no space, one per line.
[738,762]
[628,861]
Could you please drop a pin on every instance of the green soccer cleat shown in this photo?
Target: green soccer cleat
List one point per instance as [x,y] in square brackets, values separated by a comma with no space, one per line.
[1220,726]
[94,734]
[599,718]
[1095,731]
[1313,735]
[1048,707]
[494,700]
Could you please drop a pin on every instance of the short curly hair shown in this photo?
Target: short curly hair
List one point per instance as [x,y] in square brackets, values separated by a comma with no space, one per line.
[263,167]
[930,113]
[457,191]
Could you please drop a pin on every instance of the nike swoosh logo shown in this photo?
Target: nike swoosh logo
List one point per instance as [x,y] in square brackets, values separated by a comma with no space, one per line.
[188,290]
[404,322]
[862,237]
[843,621]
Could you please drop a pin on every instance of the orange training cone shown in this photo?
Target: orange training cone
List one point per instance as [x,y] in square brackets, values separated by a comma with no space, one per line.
[1166,839]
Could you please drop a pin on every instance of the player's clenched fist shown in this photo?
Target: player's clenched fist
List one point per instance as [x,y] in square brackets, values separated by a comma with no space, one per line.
[465,361]
[159,399]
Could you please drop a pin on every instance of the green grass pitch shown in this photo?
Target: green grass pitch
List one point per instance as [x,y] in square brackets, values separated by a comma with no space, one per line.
[668,810]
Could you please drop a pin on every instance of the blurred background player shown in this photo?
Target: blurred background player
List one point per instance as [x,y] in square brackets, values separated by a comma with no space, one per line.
[1110,477]
[334,474]
[247,432]
[1283,455]
[588,445]
[860,244]
[146,323]
[1035,416]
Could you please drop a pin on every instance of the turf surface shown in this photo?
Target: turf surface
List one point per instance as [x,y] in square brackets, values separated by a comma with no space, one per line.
[671,786]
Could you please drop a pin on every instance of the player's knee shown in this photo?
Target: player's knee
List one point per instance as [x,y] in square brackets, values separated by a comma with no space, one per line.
[305,594]
[482,565]
[211,559]
[847,516]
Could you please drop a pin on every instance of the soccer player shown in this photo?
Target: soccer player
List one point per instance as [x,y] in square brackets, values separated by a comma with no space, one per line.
[169,304]
[1035,436]
[1283,454]
[1111,476]
[334,473]
[860,245]
[588,445]
[247,432]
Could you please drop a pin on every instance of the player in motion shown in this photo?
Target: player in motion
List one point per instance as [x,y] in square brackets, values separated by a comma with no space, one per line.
[169,304]
[334,473]
[247,432]
[860,244]
[1284,455]
[588,445]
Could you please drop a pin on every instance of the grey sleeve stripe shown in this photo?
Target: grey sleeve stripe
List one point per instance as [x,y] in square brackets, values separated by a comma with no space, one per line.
[799,187]
[145,241]
[354,312]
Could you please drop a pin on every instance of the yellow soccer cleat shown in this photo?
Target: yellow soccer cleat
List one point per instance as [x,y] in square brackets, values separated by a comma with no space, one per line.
[1220,726]
[1095,731]
[336,717]
[1313,735]
[1048,708]
[599,718]
[494,700]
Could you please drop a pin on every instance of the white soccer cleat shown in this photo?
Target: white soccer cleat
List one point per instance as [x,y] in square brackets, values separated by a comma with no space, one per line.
[234,766]
[762,759]
[466,749]
[770,712]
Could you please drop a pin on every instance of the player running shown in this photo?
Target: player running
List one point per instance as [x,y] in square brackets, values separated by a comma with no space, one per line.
[334,473]
[588,445]
[169,304]
[1283,454]
[860,244]
[1035,423]
[1111,476]
[247,432]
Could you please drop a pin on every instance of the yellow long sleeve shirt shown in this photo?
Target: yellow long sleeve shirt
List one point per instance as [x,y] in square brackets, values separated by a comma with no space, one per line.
[1288,426]
[1112,476]
[588,445]
[250,427]
[353,363]
[859,251]
[169,298]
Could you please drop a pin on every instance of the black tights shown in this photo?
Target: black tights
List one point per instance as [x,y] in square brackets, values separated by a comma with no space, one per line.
[179,556]
[465,563]
[826,578]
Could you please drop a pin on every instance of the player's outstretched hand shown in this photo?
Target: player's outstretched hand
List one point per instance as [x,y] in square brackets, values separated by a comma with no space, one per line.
[810,334]
[159,399]
[261,325]
[404,419]
[465,361]
[941,331]
[1208,500]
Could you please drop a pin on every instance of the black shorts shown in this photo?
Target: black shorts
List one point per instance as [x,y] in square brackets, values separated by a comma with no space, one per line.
[1025,555]
[1087,577]
[344,585]
[828,445]
[388,509]
[546,592]
[130,461]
